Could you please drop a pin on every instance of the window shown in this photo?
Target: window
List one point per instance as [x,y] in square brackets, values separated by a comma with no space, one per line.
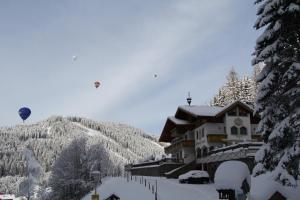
[234,130]
[202,130]
[243,131]
[197,137]
[232,112]
[242,112]
[185,137]
[198,153]
[204,151]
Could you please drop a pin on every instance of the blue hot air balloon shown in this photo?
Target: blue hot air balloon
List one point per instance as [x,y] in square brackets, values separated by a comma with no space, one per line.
[24,113]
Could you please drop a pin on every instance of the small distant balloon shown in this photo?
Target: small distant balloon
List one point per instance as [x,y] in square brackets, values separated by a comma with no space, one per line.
[155,75]
[24,113]
[97,84]
[74,58]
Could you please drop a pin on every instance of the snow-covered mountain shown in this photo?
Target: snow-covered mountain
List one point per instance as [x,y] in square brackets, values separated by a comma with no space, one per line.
[46,139]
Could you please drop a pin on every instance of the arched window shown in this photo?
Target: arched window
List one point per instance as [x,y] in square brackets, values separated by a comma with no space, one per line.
[198,153]
[243,131]
[204,151]
[234,130]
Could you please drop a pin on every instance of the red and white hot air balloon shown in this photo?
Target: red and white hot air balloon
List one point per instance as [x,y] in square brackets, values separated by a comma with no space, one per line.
[97,84]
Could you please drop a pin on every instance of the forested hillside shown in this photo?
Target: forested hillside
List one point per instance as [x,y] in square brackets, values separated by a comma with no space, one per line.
[46,139]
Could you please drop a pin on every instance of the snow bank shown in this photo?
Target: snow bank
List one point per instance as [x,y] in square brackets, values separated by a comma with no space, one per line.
[264,186]
[7,196]
[231,174]
[121,188]
[168,189]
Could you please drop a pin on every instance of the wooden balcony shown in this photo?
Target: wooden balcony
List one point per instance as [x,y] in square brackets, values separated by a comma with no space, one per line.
[179,145]
[216,138]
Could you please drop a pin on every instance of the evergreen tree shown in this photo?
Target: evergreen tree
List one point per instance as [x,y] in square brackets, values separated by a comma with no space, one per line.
[278,99]
[243,90]
[233,86]
[69,178]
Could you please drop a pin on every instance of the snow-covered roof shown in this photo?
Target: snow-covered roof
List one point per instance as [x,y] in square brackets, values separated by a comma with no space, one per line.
[231,174]
[178,121]
[264,186]
[201,110]
[210,111]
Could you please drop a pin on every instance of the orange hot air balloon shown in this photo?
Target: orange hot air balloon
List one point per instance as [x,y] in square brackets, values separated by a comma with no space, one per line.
[97,84]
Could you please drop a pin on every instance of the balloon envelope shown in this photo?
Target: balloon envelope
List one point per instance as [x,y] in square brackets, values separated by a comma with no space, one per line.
[24,113]
[97,84]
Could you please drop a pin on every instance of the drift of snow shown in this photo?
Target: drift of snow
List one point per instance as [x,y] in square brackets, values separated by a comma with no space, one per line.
[231,174]
[264,186]
[168,189]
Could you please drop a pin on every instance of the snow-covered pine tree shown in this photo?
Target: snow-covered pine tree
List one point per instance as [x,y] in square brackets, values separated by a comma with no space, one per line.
[278,99]
[246,94]
[232,86]
[235,89]
[256,71]
[219,99]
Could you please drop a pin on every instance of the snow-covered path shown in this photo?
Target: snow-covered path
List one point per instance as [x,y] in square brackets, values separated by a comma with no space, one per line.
[167,190]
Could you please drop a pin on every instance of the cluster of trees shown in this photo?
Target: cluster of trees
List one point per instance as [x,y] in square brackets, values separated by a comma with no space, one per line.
[72,175]
[242,89]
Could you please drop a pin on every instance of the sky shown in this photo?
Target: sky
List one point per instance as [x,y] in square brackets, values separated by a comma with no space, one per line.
[191,45]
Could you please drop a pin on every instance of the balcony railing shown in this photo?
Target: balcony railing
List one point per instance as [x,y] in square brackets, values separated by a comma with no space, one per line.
[179,144]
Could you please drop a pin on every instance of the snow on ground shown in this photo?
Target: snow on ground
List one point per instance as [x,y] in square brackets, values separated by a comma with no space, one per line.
[231,174]
[168,189]
[264,186]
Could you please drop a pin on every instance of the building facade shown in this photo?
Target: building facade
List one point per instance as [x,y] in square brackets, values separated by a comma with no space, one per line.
[196,131]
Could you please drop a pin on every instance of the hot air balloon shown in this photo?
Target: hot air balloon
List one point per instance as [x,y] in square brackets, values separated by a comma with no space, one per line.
[155,75]
[24,113]
[74,58]
[97,84]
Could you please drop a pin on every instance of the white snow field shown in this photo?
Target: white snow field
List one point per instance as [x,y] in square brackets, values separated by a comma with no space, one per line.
[168,189]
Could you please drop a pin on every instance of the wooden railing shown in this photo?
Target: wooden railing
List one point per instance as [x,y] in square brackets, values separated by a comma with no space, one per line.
[179,144]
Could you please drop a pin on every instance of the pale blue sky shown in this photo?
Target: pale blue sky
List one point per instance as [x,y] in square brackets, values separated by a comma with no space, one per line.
[190,44]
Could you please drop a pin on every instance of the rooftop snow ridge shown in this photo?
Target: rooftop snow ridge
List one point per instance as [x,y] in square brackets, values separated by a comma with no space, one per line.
[202,110]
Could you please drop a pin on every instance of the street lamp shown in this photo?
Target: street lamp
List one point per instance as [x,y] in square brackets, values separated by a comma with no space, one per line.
[189,99]
[96,176]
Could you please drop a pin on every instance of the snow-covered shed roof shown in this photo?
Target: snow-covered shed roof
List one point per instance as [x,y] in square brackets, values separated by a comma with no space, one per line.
[178,121]
[231,175]
[170,124]
[264,186]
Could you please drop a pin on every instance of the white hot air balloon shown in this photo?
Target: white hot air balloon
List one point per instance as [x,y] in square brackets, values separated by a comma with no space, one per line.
[74,58]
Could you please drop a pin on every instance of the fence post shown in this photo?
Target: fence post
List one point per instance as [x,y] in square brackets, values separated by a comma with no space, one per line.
[156,190]
[152,189]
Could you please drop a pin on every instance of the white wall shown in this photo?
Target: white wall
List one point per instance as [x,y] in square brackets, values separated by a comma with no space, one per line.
[209,128]
[229,121]
[189,154]
[253,129]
